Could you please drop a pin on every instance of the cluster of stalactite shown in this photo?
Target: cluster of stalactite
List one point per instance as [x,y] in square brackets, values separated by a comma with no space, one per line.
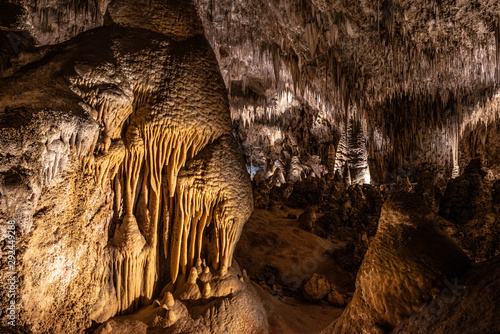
[212,202]
[135,118]
[150,204]
[195,210]
[395,61]
[159,151]
[408,67]
[385,31]
[52,22]
[143,168]
[351,159]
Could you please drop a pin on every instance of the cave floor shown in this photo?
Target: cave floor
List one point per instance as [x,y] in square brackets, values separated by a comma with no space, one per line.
[278,256]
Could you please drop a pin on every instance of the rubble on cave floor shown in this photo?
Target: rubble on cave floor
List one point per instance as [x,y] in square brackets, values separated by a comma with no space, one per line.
[280,258]
[350,216]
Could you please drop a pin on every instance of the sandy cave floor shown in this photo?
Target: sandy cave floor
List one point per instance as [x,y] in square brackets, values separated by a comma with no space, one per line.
[279,256]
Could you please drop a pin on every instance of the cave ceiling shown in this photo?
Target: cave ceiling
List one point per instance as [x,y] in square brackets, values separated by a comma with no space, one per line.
[407,69]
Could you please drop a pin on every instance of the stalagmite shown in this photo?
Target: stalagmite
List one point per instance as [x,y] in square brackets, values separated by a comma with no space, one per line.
[130,252]
[120,154]
[207,290]
[203,204]
[342,154]
[351,159]
[168,300]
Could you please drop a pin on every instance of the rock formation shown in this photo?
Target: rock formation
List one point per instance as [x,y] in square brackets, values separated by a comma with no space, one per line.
[143,139]
[405,266]
[122,173]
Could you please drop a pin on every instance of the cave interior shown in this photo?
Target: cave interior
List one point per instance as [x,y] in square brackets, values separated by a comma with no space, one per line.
[249,166]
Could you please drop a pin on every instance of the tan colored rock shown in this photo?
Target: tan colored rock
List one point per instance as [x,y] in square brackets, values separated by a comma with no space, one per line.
[119,142]
[316,288]
[207,290]
[335,299]
[406,266]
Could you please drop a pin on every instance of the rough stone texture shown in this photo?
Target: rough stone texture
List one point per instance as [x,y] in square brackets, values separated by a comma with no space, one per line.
[298,71]
[308,218]
[467,195]
[316,288]
[428,186]
[469,202]
[420,74]
[117,157]
[307,192]
[351,217]
[405,266]
[221,313]
[50,22]
[119,167]
[466,305]
[335,298]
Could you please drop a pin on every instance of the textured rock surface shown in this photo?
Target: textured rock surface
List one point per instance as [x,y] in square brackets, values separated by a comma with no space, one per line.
[456,309]
[220,312]
[335,298]
[420,75]
[405,266]
[119,167]
[469,203]
[129,192]
[316,288]
[308,218]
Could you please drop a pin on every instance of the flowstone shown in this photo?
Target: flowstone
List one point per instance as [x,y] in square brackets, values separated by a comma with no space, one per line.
[120,169]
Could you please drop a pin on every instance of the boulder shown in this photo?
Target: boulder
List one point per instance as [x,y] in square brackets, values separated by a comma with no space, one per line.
[335,298]
[307,219]
[316,288]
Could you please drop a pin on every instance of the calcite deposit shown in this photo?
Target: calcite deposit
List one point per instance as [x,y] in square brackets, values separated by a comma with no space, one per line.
[121,172]
[249,166]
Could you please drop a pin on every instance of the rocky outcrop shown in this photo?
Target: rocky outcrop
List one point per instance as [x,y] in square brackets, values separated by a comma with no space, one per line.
[316,288]
[466,196]
[310,190]
[120,171]
[469,202]
[405,267]
[224,297]
[352,219]
[307,219]
[457,309]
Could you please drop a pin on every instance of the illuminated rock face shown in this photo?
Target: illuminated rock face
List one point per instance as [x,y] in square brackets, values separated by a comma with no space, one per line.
[377,56]
[406,265]
[470,300]
[351,159]
[122,173]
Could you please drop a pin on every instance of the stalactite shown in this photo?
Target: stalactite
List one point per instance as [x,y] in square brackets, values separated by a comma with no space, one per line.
[194,211]
[227,235]
[107,164]
[209,208]
[148,150]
